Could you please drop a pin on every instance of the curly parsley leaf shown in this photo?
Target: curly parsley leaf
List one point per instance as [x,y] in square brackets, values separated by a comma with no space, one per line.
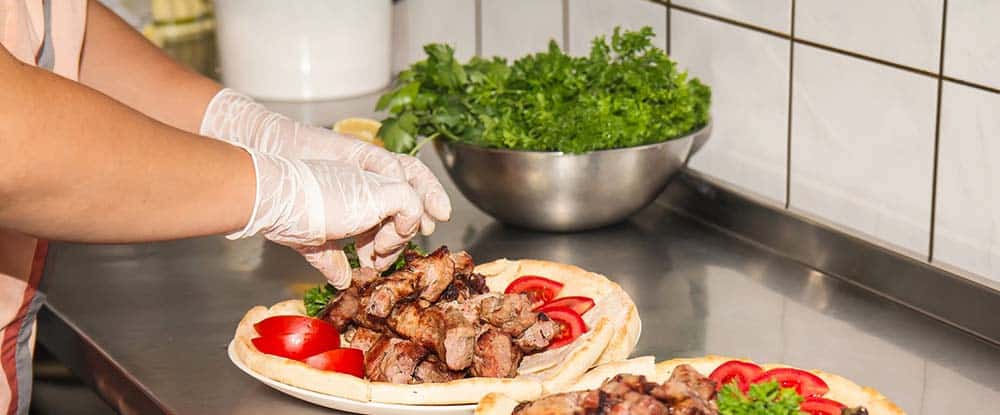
[626,92]
[318,297]
[767,398]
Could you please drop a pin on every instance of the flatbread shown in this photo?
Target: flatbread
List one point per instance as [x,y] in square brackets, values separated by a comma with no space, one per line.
[643,365]
[611,300]
[614,329]
[289,371]
[841,389]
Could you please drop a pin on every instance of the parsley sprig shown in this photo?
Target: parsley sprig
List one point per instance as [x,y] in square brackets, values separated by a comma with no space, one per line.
[766,398]
[624,93]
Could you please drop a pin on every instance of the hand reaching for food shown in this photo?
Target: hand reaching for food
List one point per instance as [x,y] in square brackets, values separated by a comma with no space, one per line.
[308,204]
[238,119]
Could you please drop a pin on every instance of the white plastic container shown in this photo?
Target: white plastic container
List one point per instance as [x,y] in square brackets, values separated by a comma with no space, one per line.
[304,50]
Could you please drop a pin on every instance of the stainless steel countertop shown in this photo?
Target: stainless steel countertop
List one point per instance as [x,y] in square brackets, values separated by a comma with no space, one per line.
[162,314]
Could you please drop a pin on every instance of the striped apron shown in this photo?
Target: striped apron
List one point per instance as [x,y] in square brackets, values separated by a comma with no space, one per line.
[48,34]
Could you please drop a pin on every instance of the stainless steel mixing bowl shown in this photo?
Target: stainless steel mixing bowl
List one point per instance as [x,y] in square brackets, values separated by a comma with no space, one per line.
[555,191]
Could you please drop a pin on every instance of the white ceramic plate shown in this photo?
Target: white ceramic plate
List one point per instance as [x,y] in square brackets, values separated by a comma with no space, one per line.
[350,405]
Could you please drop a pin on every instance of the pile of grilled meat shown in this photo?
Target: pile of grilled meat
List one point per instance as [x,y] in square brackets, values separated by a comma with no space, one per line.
[435,321]
[687,392]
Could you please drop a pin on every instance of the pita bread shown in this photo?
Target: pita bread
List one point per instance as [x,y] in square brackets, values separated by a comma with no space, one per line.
[611,300]
[614,329]
[841,389]
[643,365]
[289,371]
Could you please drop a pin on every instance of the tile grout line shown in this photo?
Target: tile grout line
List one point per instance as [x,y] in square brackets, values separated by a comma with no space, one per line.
[791,75]
[937,135]
[479,28]
[670,28]
[832,49]
[565,25]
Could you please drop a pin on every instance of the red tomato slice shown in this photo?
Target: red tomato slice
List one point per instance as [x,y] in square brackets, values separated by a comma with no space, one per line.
[814,405]
[805,383]
[539,289]
[296,346]
[349,361]
[571,325]
[282,325]
[735,370]
[579,304]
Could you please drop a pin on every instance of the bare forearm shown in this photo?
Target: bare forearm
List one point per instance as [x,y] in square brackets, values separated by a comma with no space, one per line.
[122,64]
[77,165]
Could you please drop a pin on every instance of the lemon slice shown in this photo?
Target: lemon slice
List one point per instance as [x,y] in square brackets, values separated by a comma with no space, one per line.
[361,128]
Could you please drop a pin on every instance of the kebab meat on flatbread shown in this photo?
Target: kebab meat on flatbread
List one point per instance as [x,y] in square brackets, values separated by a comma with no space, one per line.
[707,385]
[438,330]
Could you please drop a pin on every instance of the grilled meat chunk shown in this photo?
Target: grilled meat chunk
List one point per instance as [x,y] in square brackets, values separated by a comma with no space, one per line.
[393,360]
[434,272]
[362,338]
[463,263]
[459,339]
[383,294]
[341,309]
[511,313]
[362,277]
[635,403]
[425,326]
[495,355]
[570,403]
[700,385]
[538,336]
[434,370]
[687,392]
[620,385]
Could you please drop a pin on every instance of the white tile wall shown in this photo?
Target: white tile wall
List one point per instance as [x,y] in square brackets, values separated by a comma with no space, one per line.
[748,72]
[901,31]
[770,14]
[972,44]
[419,22]
[591,18]
[967,228]
[513,28]
[862,146]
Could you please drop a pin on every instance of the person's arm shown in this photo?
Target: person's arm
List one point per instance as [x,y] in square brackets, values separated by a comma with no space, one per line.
[121,63]
[76,165]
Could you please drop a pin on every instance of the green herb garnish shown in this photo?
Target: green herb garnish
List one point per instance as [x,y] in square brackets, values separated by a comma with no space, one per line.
[351,251]
[623,94]
[318,297]
[766,398]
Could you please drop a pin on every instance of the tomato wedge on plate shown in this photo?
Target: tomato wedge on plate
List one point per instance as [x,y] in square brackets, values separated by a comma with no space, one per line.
[539,289]
[296,346]
[571,325]
[345,360]
[579,304]
[282,325]
[814,405]
[734,370]
[805,383]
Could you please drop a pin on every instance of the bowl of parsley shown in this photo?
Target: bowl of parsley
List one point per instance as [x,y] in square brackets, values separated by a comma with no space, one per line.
[551,141]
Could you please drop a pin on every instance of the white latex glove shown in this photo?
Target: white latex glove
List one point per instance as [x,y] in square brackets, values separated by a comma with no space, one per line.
[307,204]
[238,119]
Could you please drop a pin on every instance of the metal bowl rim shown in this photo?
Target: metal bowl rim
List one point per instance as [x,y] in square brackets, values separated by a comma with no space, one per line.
[691,134]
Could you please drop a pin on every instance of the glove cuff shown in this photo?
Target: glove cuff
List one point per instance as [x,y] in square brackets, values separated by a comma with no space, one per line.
[288,205]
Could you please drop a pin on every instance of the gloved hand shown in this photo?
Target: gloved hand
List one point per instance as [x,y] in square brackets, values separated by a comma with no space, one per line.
[306,204]
[238,119]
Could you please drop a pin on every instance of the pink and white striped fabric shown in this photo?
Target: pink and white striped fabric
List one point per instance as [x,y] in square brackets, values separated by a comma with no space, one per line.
[24,26]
